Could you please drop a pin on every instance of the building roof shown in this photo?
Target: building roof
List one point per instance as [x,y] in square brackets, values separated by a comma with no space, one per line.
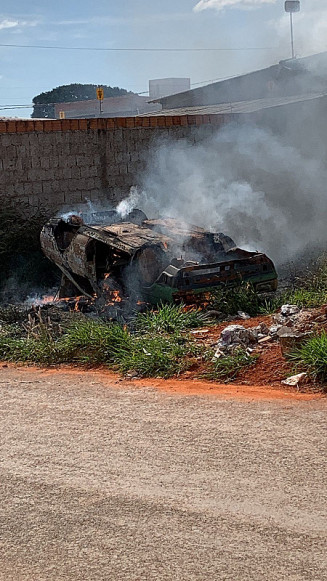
[238,107]
[120,106]
[288,77]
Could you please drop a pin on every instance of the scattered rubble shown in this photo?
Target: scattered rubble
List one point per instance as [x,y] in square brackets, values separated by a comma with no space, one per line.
[291,327]
[300,320]
[295,380]
[243,315]
[273,331]
[290,338]
[236,336]
[289,310]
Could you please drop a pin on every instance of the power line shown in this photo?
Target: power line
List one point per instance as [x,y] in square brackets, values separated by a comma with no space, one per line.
[3,107]
[35,46]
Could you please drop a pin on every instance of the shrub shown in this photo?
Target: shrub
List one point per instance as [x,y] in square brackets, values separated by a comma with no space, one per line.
[312,357]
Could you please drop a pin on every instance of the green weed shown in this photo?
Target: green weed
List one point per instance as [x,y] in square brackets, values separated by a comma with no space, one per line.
[169,319]
[94,342]
[312,357]
[308,298]
[157,356]
[230,300]
[227,368]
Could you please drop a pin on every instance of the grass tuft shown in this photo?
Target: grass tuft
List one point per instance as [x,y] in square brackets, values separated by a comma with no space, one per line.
[169,319]
[157,356]
[311,357]
[230,300]
[94,342]
[227,368]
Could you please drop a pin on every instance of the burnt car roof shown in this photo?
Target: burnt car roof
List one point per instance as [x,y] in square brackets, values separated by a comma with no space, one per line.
[126,236]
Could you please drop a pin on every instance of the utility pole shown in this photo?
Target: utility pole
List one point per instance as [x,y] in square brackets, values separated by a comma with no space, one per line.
[292,6]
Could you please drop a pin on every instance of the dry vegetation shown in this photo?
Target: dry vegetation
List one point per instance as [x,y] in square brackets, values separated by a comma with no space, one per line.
[157,343]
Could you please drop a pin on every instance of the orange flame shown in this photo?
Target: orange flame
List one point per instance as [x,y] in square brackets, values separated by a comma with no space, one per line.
[116,298]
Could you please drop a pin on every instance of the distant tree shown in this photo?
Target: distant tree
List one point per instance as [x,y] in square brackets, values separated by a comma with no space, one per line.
[43,104]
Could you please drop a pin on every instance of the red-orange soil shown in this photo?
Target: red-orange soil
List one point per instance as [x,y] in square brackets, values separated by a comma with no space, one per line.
[260,381]
[188,387]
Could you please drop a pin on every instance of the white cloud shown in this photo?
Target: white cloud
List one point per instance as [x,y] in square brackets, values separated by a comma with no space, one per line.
[222,4]
[144,19]
[6,23]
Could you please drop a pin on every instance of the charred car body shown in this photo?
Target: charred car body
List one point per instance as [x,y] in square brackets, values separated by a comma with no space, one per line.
[155,260]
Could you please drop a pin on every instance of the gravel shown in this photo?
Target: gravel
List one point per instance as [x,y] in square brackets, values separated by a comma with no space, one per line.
[107,481]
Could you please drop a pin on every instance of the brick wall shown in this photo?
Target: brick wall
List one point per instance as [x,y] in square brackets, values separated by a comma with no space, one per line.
[63,162]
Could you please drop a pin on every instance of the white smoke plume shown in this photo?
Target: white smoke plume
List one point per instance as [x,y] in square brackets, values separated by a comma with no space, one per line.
[310,28]
[244,182]
[310,24]
[128,204]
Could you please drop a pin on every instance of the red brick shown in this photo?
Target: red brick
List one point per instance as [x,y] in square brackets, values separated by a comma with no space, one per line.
[110,123]
[161,121]
[56,125]
[130,122]
[169,121]
[47,126]
[30,126]
[74,125]
[93,124]
[138,121]
[65,124]
[21,126]
[184,120]
[102,124]
[12,127]
[191,119]
[153,121]
[3,127]
[145,121]
[82,124]
[177,120]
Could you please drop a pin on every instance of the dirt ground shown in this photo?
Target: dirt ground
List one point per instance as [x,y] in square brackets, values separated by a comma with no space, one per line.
[103,479]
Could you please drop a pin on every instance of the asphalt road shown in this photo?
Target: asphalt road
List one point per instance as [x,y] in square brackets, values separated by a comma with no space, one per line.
[104,481]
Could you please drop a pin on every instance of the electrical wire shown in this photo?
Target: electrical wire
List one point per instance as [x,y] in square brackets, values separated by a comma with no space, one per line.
[30,106]
[2,107]
[35,46]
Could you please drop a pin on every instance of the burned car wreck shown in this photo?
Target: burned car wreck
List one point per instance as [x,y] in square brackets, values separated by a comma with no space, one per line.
[102,255]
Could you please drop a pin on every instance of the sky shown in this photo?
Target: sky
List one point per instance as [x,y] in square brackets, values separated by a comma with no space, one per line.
[193,24]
